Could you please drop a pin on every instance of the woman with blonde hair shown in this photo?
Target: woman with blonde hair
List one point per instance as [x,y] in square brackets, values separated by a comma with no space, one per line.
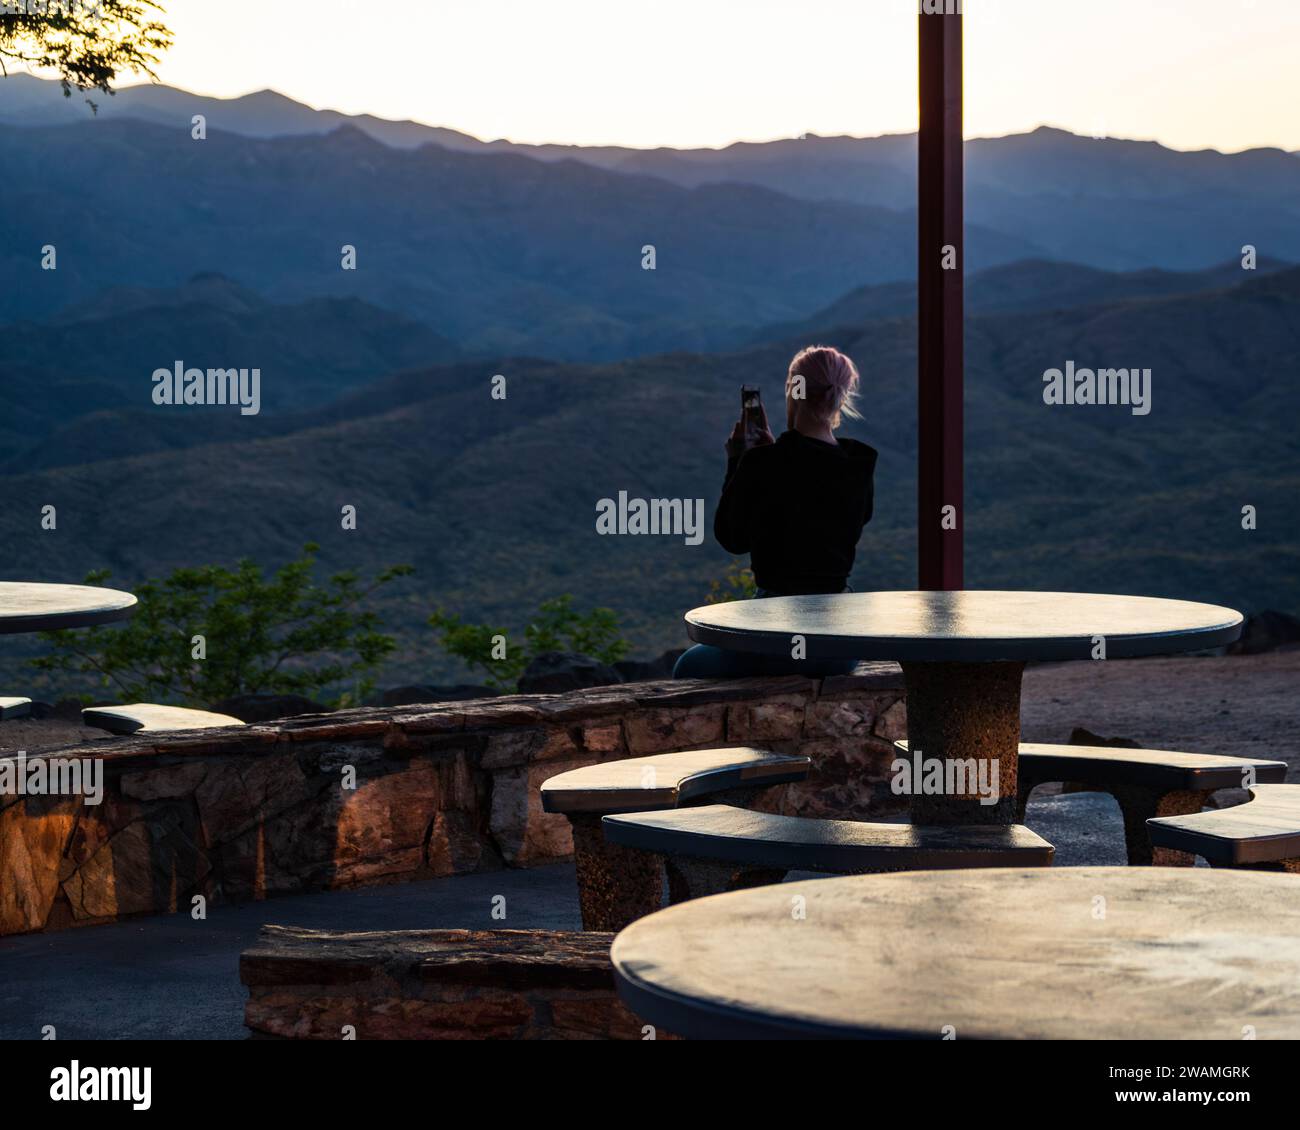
[796,504]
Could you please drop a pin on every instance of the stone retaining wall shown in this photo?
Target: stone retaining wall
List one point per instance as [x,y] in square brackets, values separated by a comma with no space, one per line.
[388,795]
[434,985]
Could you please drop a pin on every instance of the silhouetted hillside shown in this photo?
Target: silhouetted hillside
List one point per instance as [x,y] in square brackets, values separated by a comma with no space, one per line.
[1021,287]
[494,501]
[500,253]
[79,386]
[1108,202]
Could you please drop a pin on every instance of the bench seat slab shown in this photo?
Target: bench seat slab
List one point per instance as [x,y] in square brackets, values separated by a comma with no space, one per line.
[1264,830]
[147,716]
[666,780]
[1165,769]
[1146,783]
[795,843]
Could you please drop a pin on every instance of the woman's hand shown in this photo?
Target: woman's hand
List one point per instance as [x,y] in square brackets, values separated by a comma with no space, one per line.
[736,441]
[736,445]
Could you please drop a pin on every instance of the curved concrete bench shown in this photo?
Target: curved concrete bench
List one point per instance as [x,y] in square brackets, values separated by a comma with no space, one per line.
[16,707]
[668,780]
[718,847]
[1263,833]
[617,886]
[1146,783]
[136,717]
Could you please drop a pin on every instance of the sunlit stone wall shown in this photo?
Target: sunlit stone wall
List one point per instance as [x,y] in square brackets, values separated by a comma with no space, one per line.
[389,795]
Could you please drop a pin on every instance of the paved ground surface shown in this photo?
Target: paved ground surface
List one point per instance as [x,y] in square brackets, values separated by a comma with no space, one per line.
[173,978]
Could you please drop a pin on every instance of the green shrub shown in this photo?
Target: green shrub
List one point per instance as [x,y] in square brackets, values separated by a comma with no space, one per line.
[737,583]
[556,626]
[282,635]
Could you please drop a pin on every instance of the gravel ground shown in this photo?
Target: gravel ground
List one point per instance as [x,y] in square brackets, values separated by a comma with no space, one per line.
[1242,705]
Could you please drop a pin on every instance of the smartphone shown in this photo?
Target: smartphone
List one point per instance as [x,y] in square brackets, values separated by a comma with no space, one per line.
[751,413]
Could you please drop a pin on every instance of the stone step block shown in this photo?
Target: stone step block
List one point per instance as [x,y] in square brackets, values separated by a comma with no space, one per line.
[433,985]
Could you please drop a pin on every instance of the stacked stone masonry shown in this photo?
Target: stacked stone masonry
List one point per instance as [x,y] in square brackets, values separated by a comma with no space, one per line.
[441,789]
[434,985]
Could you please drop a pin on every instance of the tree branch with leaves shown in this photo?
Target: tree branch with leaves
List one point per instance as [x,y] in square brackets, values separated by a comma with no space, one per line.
[87,43]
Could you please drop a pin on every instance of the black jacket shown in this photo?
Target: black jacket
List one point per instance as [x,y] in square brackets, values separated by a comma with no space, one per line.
[797,507]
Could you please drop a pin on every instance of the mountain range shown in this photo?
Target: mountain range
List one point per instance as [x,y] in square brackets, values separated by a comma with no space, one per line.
[494,501]
[79,384]
[538,250]
[477,259]
[1107,202]
[501,253]
[1021,287]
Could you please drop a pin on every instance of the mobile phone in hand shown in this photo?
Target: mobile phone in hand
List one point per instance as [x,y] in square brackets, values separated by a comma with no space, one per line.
[751,414]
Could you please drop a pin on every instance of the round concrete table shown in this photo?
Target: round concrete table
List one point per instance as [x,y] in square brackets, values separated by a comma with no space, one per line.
[32,607]
[1080,953]
[962,655]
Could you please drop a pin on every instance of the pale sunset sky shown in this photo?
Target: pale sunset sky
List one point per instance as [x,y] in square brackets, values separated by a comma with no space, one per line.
[1193,74]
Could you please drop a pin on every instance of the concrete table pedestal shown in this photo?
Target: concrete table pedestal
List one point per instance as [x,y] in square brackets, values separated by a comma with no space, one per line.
[967,714]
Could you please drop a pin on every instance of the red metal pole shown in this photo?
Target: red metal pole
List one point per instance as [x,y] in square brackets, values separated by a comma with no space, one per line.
[940,268]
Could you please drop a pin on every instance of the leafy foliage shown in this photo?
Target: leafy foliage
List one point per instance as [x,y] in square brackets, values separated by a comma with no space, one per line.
[737,583]
[556,626]
[89,43]
[284,635]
